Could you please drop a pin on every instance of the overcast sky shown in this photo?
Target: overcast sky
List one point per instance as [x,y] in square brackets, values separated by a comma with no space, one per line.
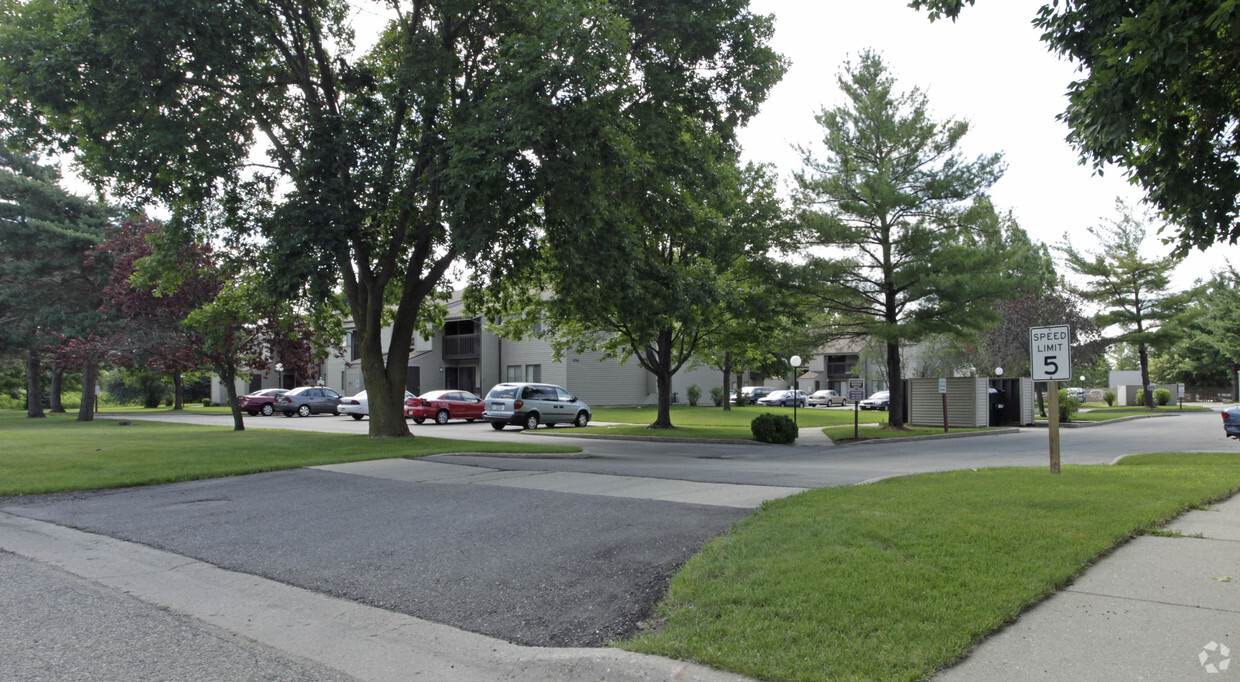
[989,68]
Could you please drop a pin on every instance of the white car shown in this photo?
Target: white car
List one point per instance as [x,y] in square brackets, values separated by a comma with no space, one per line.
[826,397]
[357,406]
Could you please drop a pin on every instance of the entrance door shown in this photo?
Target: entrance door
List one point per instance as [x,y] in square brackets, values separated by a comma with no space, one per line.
[413,380]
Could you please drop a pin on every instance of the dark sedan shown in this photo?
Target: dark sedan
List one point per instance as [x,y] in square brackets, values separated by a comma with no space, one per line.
[1231,421]
[308,400]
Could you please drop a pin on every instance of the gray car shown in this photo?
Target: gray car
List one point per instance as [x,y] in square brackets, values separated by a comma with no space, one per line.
[528,405]
[308,400]
[1231,422]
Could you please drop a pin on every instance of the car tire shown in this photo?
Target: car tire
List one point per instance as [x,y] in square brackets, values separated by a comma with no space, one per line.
[268,410]
[419,420]
[581,420]
[441,417]
[304,411]
[357,417]
[531,422]
[497,426]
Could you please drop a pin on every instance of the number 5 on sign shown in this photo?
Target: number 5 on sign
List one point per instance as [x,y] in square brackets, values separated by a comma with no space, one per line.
[1050,354]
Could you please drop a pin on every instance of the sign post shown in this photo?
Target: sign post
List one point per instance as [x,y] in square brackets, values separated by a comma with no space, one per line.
[1050,357]
[943,395]
[856,393]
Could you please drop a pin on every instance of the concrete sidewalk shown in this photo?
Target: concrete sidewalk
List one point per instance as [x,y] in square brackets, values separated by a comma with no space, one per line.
[1158,608]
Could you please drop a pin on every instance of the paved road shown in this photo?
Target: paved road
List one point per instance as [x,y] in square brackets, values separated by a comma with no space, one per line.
[548,551]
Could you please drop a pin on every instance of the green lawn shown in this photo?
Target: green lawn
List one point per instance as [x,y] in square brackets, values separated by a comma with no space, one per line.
[713,422]
[898,579]
[59,454]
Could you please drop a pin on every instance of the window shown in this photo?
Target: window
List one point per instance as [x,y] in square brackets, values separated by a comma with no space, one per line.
[533,372]
[350,342]
[513,374]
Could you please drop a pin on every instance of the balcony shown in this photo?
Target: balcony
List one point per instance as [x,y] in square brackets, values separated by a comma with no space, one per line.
[462,347]
[840,369]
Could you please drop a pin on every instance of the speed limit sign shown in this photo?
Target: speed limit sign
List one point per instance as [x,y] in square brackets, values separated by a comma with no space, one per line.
[1050,354]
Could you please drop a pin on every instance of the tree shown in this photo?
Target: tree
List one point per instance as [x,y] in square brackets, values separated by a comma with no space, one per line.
[1159,96]
[47,291]
[439,145]
[1131,289]
[1209,352]
[682,246]
[921,251]
[218,314]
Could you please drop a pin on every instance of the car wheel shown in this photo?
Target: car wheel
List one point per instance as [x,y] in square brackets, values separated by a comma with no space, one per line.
[419,420]
[884,407]
[497,426]
[356,417]
[303,411]
[268,410]
[441,417]
[531,422]
[581,420]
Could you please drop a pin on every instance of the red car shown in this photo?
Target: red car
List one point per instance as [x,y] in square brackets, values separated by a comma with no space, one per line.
[444,405]
[260,401]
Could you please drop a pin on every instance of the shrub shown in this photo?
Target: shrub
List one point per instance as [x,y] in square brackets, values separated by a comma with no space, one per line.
[167,401]
[774,428]
[1141,396]
[1161,397]
[1068,406]
[1109,398]
[694,393]
[716,396]
[206,402]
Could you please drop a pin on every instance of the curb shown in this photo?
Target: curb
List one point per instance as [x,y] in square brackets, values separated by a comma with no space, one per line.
[1117,420]
[939,436]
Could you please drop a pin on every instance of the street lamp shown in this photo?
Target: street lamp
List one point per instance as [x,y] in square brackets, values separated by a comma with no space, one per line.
[796,362]
[998,371]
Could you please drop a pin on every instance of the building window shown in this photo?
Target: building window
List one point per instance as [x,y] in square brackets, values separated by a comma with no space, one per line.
[513,374]
[533,373]
[350,343]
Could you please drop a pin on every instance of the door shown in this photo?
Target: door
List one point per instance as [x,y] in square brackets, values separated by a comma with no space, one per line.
[413,380]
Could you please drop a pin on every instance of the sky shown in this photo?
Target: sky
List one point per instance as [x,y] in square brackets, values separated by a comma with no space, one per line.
[989,68]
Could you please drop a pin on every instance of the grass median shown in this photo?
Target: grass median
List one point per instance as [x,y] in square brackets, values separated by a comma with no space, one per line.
[713,422]
[58,454]
[898,579]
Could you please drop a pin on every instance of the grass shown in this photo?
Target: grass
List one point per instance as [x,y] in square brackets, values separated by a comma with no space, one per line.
[901,578]
[711,422]
[844,434]
[58,454]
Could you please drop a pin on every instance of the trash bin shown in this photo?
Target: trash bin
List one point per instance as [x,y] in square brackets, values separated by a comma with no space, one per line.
[996,407]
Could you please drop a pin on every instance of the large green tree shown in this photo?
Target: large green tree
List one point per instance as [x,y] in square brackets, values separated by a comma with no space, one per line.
[684,240]
[47,289]
[1131,288]
[914,247]
[1159,95]
[1208,354]
[373,171]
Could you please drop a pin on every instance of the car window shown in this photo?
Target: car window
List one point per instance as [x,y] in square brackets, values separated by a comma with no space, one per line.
[563,395]
[501,392]
[330,393]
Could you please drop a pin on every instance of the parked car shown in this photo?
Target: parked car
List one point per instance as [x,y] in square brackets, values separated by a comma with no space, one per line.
[1231,421]
[307,400]
[751,394]
[358,405]
[260,402]
[528,405]
[444,405]
[784,399]
[880,400]
[825,397]
[1076,392]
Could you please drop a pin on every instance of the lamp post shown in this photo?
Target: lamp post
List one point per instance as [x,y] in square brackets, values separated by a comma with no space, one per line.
[796,362]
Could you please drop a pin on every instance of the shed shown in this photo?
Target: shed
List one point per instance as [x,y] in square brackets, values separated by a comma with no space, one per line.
[968,404]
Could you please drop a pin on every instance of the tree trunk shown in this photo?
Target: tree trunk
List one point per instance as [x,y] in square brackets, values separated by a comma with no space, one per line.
[90,379]
[178,385]
[727,374]
[1235,380]
[895,387]
[58,377]
[1144,356]
[228,376]
[385,385]
[662,367]
[34,385]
